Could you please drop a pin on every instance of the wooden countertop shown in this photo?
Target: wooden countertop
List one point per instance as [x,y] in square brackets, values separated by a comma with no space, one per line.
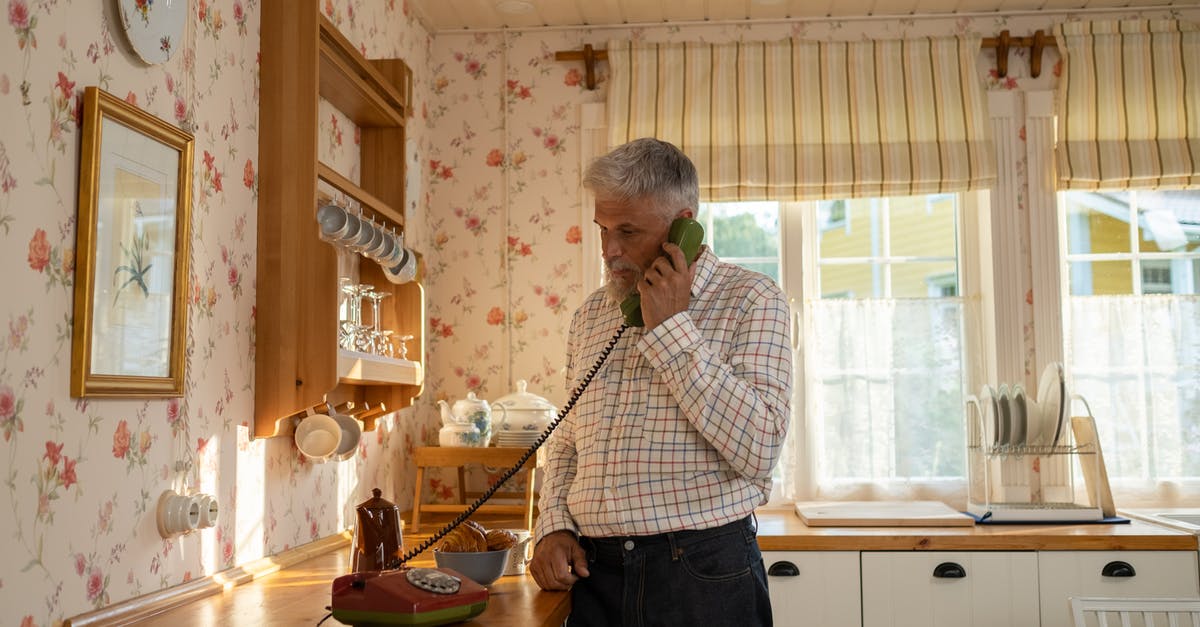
[782,530]
[298,595]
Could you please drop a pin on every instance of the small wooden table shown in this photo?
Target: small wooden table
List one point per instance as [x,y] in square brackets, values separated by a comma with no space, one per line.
[459,457]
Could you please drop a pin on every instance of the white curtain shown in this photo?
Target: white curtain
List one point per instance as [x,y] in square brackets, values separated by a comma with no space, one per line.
[1136,360]
[883,416]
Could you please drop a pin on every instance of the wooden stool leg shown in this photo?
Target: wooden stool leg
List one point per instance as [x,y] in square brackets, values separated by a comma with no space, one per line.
[416,522]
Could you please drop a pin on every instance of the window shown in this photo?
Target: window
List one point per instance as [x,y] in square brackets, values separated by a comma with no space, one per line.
[1132,336]
[744,233]
[832,214]
[884,382]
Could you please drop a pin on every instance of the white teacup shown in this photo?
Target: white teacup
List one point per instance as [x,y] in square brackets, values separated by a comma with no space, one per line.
[332,219]
[355,238]
[382,249]
[318,436]
[521,553]
[351,435]
[403,271]
[349,231]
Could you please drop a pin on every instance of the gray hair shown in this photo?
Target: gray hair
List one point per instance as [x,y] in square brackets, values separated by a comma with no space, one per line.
[649,169]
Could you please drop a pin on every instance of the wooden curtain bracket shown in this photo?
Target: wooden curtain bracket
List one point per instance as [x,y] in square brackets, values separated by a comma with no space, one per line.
[589,56]
[1035,53]
[1036,44]
[1002,54]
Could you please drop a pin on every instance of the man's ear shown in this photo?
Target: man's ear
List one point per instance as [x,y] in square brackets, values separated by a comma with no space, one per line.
[686,213]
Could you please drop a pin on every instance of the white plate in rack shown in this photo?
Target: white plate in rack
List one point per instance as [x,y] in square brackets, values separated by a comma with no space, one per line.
[1020,417]
[990,409]
[1005,416]
[1052,399]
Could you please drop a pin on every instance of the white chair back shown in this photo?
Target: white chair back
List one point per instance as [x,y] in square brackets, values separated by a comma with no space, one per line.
[1129,612]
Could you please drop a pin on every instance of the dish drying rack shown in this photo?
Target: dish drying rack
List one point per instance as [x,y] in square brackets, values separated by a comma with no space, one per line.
[1035,482]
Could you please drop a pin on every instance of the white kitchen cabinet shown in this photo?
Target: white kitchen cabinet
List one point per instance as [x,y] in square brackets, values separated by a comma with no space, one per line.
[817,588]
[1064,574]
[943,589]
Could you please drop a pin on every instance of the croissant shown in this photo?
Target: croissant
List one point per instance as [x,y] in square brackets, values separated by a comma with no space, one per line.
[499,539]
[478,538]
[460,540]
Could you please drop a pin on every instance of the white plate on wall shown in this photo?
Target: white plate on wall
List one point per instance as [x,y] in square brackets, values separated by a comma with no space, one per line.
[154,29]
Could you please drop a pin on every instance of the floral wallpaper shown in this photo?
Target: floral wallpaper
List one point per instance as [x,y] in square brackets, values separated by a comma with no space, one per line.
[494,207]
[81,479]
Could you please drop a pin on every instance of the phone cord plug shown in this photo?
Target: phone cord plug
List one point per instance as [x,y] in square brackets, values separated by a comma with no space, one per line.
[562,413]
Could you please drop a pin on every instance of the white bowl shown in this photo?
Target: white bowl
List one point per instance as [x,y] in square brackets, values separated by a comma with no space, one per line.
[482,567]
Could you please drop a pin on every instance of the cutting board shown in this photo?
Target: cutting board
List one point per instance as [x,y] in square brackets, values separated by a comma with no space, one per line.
[1095,475]
[881,514]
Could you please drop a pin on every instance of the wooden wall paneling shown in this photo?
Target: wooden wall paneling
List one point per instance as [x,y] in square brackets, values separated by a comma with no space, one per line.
[291,370]
[382,156]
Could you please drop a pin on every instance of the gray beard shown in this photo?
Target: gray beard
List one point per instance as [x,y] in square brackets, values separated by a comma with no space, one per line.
[617,291]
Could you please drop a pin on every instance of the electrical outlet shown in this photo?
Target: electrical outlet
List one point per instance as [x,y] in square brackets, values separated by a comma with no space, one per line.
[208,510]
[177,514]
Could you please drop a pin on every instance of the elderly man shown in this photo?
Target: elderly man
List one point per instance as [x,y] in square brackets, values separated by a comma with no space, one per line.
[650,486]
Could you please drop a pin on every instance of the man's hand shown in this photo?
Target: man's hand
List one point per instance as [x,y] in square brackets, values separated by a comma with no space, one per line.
[666,286]
[558,561]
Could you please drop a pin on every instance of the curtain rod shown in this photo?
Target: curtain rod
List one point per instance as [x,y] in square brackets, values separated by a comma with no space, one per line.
[1002,43]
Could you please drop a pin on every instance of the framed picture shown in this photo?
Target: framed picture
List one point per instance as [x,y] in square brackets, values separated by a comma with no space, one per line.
[131,252]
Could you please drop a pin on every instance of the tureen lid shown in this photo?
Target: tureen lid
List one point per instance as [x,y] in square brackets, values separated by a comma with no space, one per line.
[522,399]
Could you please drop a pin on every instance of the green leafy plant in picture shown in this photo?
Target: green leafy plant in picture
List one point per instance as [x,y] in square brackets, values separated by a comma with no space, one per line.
[135,266]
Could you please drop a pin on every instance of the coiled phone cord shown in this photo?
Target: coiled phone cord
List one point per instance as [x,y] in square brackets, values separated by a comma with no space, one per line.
[562,413]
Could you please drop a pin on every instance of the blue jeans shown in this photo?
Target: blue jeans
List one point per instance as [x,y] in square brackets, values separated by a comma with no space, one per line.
[708,577]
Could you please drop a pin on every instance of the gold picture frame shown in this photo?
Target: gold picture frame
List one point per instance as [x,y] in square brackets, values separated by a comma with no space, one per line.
[131,249]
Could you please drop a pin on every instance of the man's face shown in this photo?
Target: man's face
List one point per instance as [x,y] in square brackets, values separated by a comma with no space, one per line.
[631,237]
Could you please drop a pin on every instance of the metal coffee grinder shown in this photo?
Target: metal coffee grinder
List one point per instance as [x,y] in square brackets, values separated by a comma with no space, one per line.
[377,543]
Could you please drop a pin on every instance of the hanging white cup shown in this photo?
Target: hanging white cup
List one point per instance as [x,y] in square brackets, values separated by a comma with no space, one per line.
[403,271]
[318,436]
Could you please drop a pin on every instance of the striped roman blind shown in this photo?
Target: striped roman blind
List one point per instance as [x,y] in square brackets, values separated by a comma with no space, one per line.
[1128,104]
[804,120]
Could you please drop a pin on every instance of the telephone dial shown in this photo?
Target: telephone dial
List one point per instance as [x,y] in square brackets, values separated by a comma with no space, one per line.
[438,596]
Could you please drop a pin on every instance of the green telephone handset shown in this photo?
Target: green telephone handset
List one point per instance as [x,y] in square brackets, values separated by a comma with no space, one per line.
[688,235]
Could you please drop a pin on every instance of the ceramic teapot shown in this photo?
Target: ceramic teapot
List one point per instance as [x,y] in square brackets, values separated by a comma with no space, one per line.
[524,412]
[459,434]
[468,421]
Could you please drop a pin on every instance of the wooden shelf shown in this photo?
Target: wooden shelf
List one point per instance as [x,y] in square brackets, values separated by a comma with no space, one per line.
[368,369]
[356,87]
[304,58]
[368,200]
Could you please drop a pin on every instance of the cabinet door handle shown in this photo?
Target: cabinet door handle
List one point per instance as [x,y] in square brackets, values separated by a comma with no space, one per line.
[1118,569]
[783,569]
[949,570]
